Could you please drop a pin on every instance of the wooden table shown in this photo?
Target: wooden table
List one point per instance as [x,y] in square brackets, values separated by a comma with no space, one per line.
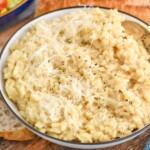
[41,144]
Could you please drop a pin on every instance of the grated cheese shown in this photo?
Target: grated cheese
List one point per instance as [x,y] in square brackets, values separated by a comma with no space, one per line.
[78,78]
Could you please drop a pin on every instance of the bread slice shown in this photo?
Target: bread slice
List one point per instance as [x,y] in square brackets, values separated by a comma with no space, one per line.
[138,8]
[11,128]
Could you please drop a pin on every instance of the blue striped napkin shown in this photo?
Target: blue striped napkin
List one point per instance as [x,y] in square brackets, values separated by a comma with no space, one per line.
[147,146]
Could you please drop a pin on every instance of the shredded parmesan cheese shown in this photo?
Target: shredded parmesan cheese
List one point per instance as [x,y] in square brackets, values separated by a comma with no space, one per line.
[80,77]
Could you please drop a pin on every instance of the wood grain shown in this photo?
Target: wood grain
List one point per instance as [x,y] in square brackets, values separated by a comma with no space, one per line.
[138,8]
[41,144]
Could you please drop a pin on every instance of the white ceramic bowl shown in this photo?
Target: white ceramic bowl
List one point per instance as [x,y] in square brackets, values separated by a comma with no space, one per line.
[5,52]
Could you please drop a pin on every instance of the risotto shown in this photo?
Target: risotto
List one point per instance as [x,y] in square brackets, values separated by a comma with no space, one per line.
[80,77]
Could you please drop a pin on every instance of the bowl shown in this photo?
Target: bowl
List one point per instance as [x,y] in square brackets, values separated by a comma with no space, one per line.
[5,52]
[11,14]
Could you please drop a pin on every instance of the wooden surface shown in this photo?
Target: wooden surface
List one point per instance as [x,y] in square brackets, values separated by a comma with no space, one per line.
[138,8]
[41,144]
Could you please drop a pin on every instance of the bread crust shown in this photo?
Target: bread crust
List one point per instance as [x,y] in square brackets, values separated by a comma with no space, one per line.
[138,8]
[21,134]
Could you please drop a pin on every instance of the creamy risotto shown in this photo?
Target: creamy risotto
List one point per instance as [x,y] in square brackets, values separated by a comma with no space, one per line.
[80,77]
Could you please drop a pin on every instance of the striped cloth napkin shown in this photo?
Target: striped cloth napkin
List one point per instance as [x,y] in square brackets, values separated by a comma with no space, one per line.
[147,146]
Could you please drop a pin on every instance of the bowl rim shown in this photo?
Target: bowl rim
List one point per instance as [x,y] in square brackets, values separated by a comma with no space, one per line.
[118,140]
